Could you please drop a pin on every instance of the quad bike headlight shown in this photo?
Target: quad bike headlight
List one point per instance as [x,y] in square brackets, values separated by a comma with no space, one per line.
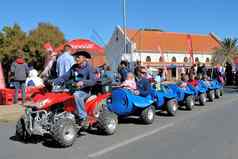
[43,103]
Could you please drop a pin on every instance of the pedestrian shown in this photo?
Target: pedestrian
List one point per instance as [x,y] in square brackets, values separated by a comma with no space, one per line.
[65,61]
[19,71]
[137,68]
[204,69]
[123,70]
[50,68]
[109,74]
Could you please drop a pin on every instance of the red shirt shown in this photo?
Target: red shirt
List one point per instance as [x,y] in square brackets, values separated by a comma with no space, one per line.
[194,83]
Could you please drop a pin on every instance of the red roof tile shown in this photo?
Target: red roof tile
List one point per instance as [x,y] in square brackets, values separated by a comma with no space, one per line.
[171,42]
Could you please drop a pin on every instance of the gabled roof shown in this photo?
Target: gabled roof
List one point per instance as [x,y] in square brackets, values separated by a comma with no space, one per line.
[150,40]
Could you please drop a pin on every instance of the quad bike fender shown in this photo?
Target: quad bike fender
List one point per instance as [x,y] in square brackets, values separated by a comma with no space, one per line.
[98,101]
[49,99]
[142,102]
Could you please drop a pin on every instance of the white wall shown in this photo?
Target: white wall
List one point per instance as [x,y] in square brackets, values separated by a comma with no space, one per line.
[168,56]
[115,52]
[115,48]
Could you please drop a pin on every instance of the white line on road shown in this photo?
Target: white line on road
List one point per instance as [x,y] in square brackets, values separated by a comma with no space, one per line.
[139,137]
[126,142]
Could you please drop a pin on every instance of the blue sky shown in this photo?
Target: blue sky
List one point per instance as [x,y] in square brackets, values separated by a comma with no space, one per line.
[77,18]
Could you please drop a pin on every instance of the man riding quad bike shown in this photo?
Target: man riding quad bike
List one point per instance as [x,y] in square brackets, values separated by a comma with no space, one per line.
[63,112]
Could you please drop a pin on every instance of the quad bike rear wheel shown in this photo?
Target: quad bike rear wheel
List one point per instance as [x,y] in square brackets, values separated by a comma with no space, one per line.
[189,102]
[107,122]
[221,92]
[211,95]
[202,99]
[65,132]
[148,115]
[217,93]
[172,107]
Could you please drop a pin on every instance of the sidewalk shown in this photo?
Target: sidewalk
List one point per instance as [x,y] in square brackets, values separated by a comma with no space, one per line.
[10,113]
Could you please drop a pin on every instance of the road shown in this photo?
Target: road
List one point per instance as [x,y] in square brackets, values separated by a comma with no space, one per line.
[206,132]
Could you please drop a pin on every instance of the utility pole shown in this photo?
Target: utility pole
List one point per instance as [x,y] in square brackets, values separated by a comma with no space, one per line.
[124,25]
[125,35]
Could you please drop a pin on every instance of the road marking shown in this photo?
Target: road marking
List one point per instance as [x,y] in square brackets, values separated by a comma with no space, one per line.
[129,141]
[139,137]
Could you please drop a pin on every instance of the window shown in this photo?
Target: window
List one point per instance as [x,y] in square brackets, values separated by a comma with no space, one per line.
[117,35]
[196,59]
[148,59]
[185,59]
[207,59]
[173,59]
[161,59]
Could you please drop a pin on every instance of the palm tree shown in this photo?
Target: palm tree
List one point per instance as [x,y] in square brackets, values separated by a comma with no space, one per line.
[227,52]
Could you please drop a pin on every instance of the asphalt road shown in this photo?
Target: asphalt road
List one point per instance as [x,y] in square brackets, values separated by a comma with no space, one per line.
[209,132]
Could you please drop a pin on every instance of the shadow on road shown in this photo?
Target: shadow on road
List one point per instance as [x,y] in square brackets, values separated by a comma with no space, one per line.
[46,141]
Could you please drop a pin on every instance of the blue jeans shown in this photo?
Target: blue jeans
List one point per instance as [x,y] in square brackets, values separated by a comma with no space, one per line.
[79,97]
[20,85]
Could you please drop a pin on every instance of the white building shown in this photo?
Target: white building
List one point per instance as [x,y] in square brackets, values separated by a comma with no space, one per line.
[158,48]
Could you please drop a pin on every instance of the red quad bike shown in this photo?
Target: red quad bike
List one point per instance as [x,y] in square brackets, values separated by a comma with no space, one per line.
[53,114]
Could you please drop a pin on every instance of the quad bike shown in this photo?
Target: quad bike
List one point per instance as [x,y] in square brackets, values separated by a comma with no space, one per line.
[210,89]
[199,93]
[218,88]
[124,103]
[165,99]
[184,96]
[53,114]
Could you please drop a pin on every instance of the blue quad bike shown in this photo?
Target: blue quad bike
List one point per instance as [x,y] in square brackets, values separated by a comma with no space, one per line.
[210,87]
[218,88]
[165,99]
[199,93]
[184,96]
[124,103]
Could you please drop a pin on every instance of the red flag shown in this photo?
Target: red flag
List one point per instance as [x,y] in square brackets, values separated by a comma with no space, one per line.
[161,53]
[190,47]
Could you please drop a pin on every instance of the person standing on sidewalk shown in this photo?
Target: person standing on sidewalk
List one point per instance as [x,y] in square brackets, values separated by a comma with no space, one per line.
[20,71]
[65,61]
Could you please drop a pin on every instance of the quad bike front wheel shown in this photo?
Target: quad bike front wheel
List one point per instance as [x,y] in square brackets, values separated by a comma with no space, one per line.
[65,132]
[148,115]
[211,95]
[189,103]
[107,122]
[21,132]
[172,107]
[202,99]
[217,93]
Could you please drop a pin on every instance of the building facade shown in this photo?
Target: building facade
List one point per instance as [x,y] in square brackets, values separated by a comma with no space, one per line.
[161,49]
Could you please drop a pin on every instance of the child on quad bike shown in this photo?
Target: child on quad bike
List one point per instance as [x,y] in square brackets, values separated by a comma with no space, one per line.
[183,82]
[130,82]
[82,77]
[192,80]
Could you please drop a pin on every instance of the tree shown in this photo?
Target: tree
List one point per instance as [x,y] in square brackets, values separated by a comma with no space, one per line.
[45,32]
[227,52]
[11,40]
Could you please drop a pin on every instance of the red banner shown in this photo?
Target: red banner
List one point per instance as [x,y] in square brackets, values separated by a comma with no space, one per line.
[190,47]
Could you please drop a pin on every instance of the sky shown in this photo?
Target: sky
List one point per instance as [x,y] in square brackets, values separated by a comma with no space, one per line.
[81,18]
